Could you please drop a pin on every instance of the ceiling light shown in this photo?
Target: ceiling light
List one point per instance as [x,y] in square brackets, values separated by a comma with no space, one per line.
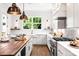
[23,16]
[14,10]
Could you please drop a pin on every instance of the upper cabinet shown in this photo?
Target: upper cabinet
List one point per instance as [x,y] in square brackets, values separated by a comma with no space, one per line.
[69,15]
[76,14]
[72,15]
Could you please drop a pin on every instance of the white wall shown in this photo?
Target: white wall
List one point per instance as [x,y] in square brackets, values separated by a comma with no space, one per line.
[3,11]
[45,15]
[0,22]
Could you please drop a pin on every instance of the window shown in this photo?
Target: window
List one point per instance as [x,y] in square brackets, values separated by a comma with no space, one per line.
[32,23]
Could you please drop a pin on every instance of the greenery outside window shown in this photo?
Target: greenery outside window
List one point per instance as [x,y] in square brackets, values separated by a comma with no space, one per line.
[32,23]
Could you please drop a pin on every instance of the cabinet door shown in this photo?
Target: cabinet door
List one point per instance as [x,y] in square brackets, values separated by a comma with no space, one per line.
[70,15]
[62,51]
[76,15]
[73,15]
[28,48]
[39,39]
[48,43]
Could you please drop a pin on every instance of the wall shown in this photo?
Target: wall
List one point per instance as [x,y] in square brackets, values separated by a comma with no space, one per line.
[3,11]
[73,19]
[71,11]
[45,15]
[43,12]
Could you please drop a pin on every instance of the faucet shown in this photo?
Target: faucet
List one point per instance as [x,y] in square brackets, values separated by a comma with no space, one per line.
[31,31]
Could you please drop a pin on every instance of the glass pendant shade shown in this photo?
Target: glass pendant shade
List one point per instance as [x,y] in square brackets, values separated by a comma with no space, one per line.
[14,10]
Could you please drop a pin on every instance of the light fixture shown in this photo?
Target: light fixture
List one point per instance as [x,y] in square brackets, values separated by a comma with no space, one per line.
[23,16]
[14,10]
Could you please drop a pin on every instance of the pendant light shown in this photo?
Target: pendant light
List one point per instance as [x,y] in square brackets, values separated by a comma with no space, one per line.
[14,10]
[23,16]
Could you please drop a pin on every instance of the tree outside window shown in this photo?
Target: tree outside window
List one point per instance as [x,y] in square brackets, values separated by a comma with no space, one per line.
[32,22]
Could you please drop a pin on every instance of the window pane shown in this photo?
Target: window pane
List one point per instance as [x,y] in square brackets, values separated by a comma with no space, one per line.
[27,26]
[29,20]
[39,20]
[37,26]
[36,20]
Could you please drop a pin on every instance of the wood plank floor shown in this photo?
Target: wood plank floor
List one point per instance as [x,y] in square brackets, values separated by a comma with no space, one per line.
[40,50]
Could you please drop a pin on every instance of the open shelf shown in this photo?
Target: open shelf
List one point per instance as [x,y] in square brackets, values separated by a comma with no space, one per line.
[15,29]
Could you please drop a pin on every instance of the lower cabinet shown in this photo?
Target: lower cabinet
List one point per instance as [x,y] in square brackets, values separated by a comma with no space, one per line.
[23,51]
[62,51]
[28,48]
[36,39]
[48,41]
[39,39]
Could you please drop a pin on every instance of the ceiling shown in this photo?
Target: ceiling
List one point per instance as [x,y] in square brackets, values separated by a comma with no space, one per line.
[32,6]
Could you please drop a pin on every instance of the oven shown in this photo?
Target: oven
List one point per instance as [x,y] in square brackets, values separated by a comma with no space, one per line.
[53,44]
[53,47]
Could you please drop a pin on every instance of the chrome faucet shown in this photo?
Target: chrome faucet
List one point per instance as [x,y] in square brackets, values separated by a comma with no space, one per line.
[31,31]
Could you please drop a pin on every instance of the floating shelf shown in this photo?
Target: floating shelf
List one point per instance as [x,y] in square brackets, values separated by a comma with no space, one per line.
[14,29]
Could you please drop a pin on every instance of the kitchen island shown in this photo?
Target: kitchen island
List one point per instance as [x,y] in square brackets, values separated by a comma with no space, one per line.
[12,47]
[64,49]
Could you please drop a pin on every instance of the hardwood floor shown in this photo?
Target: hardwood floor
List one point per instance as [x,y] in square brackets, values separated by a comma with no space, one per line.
[40,50]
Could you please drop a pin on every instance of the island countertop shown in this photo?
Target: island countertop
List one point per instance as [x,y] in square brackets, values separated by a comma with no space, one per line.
[11,48]
[66,44]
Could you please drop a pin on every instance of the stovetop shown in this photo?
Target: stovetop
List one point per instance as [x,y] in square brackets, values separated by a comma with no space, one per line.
[62,39]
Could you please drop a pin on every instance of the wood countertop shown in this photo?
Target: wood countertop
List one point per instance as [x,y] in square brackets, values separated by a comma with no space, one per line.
[12,47]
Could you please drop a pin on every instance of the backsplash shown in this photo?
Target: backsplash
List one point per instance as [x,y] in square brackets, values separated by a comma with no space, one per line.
[70,32]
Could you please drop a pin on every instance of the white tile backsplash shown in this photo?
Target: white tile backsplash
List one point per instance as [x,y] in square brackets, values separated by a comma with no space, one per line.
[71,32]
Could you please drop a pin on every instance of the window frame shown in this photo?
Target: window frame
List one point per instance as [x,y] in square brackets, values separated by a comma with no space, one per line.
[32,23]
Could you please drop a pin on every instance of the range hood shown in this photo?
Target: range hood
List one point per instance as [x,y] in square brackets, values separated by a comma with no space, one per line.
[61,18]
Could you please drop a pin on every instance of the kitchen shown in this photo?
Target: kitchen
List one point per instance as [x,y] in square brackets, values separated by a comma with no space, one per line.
[39,29]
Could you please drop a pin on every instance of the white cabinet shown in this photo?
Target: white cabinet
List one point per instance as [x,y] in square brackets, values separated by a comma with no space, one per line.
[49,37]
[72,15]
[62,51]
[39,39]
[76,15]
[28,48]
[35,39]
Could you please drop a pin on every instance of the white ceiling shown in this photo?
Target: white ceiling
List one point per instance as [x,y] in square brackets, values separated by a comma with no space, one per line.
[32,6]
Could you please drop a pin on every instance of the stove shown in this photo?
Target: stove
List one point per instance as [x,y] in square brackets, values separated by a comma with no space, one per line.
[62,39]
[53,43]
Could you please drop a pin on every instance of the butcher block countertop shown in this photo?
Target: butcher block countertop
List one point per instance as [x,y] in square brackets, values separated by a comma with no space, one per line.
[12,47]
